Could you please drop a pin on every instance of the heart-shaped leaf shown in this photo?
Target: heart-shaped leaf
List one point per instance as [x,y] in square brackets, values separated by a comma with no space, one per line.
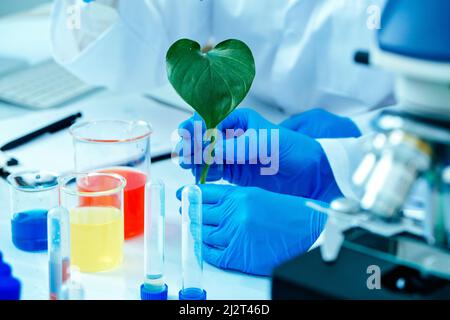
[213,83]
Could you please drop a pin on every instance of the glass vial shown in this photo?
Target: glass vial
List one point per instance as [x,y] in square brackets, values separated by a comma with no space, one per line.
[154,287]
[58,250]
[191,244]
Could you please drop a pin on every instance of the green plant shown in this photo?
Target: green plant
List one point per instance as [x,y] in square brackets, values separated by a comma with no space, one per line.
[213,83]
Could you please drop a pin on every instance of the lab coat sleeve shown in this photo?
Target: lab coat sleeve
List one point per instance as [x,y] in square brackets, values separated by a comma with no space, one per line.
[121,44]
[344,156]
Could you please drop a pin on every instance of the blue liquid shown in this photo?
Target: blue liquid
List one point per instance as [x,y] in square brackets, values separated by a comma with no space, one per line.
[192,294]
[29,230]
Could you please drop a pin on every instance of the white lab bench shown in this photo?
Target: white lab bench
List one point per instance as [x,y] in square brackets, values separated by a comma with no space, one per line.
[123,282]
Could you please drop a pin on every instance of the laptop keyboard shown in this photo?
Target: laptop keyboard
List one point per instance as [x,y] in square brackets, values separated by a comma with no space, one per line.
[45,85]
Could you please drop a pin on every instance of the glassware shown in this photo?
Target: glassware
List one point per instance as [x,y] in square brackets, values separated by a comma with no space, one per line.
[154,287]
[33,193]
[58,226]
[73,289]
[121,147]
[95,205]
[191,244]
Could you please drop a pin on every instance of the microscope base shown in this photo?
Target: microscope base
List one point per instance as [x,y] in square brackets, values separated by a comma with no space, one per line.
[309,277]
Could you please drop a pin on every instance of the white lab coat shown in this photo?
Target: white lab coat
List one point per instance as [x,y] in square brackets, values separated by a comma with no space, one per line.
[303,52]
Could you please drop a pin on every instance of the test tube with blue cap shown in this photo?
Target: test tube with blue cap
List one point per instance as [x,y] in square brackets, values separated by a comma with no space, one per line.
[191,244]
[154,287]
[58,250]
[9,285]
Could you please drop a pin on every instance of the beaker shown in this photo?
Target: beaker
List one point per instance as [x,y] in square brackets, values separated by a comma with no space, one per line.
[121,147]
[33,193]
[95,205]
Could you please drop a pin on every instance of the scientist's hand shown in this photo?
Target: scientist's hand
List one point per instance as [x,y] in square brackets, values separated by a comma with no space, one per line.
[253,230]
[319,123]
[295,163]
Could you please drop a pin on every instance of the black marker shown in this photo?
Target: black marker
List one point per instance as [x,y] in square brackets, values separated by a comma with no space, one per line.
[52,128]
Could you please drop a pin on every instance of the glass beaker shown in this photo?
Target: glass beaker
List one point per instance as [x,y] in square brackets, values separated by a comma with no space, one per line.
[95,205]
[33,193]
[121,147]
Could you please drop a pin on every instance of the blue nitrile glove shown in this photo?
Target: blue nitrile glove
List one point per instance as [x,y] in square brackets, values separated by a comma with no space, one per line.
[303,168]
[319,124]
[252,230]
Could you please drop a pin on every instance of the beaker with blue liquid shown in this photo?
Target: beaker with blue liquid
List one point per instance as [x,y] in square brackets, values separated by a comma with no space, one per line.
[33,193]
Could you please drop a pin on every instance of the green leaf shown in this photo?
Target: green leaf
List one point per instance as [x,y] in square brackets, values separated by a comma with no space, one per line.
[213,83]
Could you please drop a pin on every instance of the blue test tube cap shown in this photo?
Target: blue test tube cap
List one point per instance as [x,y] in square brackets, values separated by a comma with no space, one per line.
[9,286]
[5,270]
[192,294]
[147,294]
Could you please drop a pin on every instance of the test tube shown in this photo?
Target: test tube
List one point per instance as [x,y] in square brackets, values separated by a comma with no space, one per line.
[58,250]
[154,287]
[72,289]
[191,244]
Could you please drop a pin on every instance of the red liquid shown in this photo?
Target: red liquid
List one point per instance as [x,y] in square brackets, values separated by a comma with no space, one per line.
[134,200]
[134,197]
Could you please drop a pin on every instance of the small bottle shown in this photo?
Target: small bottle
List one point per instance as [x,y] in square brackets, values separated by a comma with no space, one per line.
[191,244]
[154,287]
[9,286]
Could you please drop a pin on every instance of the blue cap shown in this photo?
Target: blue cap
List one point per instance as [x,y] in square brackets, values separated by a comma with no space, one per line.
[192,294]
[5,270]
[147,294]
[9,286]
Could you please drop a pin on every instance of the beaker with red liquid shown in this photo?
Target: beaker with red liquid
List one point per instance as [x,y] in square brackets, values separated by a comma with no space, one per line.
[123,148]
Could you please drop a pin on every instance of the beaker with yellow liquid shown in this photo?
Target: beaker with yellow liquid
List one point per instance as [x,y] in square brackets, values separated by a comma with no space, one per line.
[95,204]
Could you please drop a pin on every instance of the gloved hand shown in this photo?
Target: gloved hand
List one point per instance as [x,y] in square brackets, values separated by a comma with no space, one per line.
[253,230]
[302,166]
[319,123]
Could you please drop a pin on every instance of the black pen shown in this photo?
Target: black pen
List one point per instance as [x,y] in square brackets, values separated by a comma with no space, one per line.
[52,128]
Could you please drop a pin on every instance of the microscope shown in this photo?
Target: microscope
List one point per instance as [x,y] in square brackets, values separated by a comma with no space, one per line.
[374,247]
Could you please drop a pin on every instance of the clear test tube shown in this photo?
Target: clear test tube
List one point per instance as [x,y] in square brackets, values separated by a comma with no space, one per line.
[72,289]
[191,244]
[154,287]
[58,227]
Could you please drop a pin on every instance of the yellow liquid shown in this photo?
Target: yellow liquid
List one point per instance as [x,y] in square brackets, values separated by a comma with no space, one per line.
[96,238]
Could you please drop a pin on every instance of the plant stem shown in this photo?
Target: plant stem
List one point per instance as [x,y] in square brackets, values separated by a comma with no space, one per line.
[205,170]
[208,161]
